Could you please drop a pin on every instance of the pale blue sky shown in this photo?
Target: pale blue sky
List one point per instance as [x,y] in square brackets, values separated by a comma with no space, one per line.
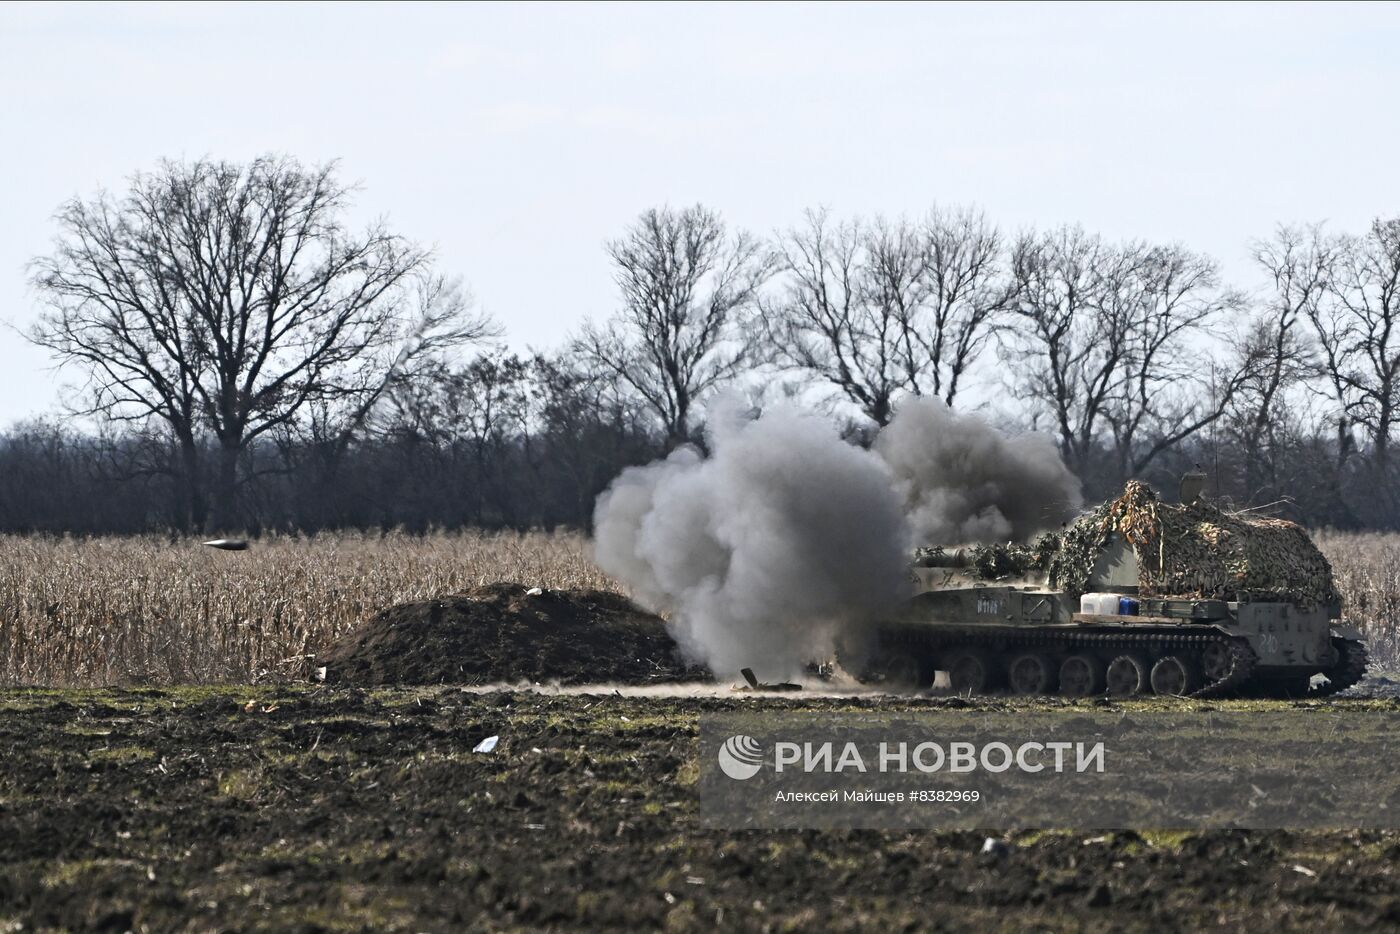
[519,138]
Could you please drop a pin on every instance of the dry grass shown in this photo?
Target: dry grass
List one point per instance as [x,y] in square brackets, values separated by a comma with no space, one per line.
[112,610]
[1367,569]
[109,610]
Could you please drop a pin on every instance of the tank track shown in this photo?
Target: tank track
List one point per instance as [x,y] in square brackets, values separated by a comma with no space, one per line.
[1350,668]
[1004,642]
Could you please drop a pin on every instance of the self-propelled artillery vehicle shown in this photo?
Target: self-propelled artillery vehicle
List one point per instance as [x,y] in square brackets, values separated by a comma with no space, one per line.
[1136,597]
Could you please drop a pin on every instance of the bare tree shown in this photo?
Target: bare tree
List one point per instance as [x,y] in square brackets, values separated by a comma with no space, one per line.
[587,431]
[969,289]
[875,309]
[478,413]
[1298,262]
[1358,331]
[833,322]
[687,284]
[1069,353]
[1173,388]
[1261,424]
[440,320]
[1105,345]
[229,298]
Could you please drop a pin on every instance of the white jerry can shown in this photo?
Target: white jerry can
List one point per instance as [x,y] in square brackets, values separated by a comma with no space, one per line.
[1099,604]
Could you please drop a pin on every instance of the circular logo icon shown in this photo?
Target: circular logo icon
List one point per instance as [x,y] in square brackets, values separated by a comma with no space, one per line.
[741,757]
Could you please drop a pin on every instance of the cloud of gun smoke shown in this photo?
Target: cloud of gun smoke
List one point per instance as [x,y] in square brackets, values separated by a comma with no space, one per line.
[763,551]
[966,482]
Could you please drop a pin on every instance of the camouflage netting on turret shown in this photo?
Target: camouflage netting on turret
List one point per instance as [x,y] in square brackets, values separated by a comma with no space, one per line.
[1195,550]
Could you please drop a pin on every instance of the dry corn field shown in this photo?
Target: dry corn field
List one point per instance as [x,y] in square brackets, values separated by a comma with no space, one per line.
[120,610]
[1366,566]
[133,610]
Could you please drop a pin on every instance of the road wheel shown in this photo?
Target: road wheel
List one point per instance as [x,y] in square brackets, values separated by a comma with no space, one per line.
[1031,674]
[971,672]
[909,672]
[902,671]
[1126,676]
[1081,676]
[897,667]
[1217,662]
[1175,675]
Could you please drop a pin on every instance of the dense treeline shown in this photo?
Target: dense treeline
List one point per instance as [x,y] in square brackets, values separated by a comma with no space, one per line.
[56,479]
[251,362]
[501,443]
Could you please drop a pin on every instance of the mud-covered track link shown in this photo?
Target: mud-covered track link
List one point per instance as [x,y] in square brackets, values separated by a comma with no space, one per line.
[1161,660]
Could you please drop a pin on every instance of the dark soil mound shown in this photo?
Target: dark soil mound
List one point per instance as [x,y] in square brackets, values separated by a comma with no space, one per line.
[504,632]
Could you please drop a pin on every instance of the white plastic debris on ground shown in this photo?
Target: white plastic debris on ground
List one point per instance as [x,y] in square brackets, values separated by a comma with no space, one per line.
[487,745]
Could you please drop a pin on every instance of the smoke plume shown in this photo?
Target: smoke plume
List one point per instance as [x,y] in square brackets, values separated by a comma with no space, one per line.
[963,481]
[763,552]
